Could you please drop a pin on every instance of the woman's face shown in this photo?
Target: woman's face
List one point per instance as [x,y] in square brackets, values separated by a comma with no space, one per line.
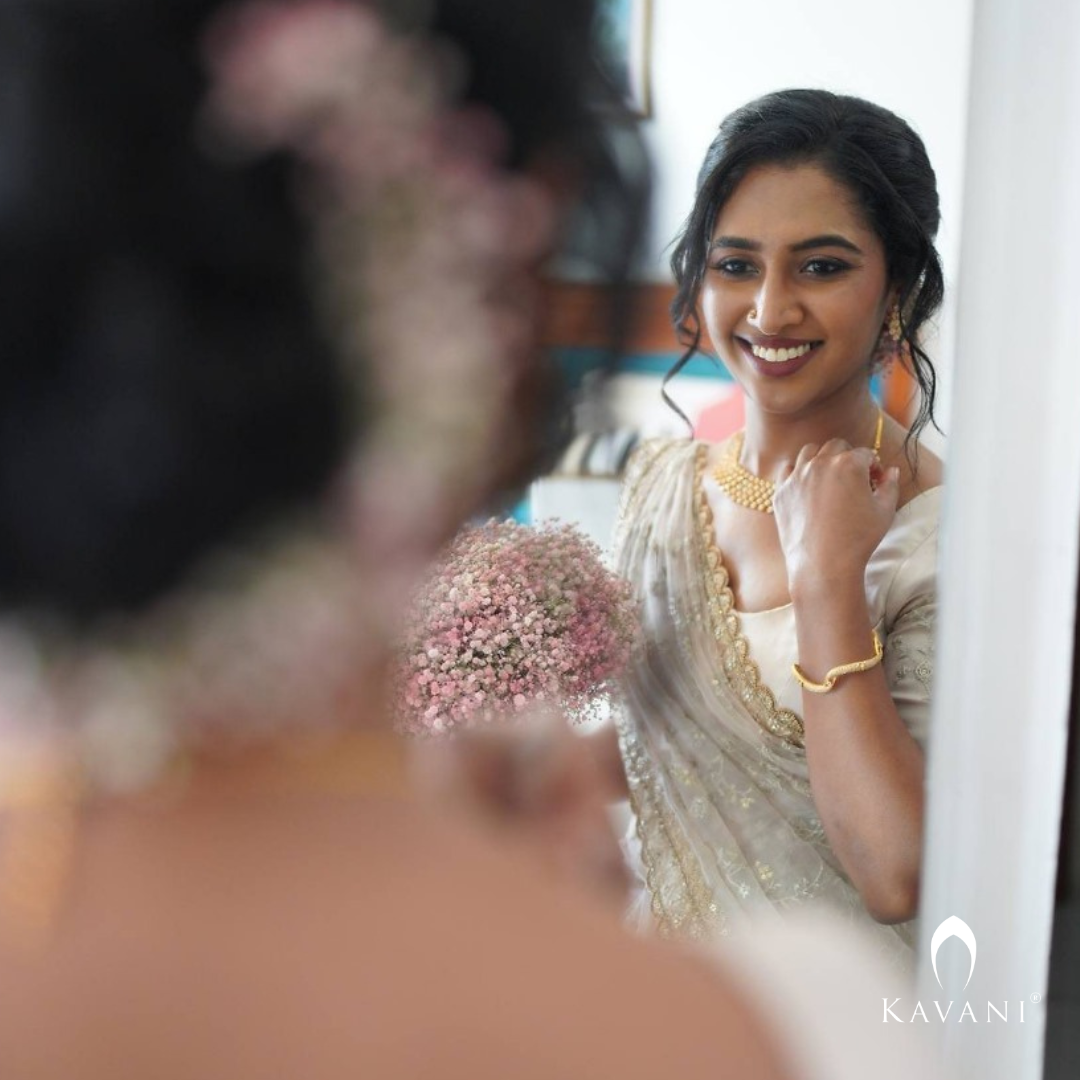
[796,290]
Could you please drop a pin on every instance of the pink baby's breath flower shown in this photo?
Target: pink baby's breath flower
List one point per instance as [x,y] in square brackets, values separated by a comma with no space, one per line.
[512,616]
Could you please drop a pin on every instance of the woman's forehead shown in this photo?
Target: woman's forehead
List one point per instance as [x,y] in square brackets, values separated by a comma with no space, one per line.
[786,204]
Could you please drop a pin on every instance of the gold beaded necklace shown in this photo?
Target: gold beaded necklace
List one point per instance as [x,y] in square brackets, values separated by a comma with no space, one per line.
[742,487]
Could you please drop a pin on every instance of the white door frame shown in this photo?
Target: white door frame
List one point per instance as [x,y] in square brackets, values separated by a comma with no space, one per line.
[1010,540]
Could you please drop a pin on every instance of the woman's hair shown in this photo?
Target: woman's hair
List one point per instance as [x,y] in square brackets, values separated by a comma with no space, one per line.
[166,381]
[869,150]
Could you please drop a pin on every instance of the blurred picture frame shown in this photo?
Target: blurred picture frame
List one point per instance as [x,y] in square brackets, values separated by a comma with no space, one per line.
[623,40]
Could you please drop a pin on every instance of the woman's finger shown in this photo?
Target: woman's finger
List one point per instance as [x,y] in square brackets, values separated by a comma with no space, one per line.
[834,447]
[887,489]
[806,455]
[863,457]
[785,474]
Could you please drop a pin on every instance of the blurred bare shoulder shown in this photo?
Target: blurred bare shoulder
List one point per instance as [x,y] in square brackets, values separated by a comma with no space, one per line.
[333,937]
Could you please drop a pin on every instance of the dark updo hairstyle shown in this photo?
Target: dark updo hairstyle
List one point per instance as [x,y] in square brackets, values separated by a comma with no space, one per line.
[869,150]
[166,384]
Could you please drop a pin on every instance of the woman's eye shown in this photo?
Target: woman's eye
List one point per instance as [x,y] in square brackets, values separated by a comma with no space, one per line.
[733,267]
[825,267]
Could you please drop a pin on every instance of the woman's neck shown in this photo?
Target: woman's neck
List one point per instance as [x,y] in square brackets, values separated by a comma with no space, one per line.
[773,441]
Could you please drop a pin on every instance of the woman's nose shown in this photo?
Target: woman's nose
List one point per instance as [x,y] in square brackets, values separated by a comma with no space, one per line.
[776,307]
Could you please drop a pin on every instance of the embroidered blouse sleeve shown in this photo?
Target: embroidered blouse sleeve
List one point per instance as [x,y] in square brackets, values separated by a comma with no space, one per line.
[910,616]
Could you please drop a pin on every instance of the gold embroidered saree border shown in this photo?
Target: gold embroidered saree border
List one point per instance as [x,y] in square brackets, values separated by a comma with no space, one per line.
[680,900]
[682,904]
[737,665]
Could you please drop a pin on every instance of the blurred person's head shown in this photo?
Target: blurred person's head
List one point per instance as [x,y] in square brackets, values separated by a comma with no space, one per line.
[194,322]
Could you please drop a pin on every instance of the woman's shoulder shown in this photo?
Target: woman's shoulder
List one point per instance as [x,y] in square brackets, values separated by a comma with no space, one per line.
[904,565]
[651,452]
[909,549]
[651,465]
[920,473]
[918,512]
[302,933]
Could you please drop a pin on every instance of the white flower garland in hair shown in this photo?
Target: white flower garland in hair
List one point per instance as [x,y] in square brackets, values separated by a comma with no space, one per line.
[426,247]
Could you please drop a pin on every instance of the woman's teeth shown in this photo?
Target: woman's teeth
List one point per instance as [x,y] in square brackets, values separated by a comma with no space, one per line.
[778,356]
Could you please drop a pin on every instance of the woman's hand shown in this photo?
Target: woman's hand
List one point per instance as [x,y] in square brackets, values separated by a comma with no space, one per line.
[540,783]
[832,510]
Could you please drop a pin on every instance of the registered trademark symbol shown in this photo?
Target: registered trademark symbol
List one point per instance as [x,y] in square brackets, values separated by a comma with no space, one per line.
[1036,998]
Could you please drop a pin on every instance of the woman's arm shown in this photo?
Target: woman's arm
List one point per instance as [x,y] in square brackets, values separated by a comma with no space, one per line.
[866,770]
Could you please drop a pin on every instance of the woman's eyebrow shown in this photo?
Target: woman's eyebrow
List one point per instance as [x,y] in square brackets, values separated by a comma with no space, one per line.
[735,242]
[825,240]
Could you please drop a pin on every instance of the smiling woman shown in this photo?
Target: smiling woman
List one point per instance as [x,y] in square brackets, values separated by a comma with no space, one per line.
[796,280]
[773,732]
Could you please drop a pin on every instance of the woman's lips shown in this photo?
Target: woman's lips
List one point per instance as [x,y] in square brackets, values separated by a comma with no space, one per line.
[780,357]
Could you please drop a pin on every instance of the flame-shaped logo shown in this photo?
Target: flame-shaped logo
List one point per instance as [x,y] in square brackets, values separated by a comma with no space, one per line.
[953,927]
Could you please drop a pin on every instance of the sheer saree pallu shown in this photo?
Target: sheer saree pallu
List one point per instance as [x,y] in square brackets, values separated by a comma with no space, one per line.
[726,831]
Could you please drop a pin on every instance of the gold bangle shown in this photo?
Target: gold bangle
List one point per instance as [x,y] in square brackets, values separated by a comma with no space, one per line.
[844,669]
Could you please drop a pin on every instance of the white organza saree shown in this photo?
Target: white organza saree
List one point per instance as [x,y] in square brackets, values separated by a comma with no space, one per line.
[726,830]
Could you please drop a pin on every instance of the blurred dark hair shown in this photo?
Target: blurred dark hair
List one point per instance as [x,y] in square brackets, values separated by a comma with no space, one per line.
[166,383]
[869,150]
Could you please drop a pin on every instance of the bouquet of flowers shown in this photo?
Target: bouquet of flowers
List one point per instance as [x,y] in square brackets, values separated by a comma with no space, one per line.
[510,617]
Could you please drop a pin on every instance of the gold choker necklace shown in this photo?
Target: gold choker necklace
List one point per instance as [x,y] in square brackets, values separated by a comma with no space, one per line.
[742,487]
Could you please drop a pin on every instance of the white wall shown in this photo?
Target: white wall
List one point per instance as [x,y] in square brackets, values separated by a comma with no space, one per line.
[710,56]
